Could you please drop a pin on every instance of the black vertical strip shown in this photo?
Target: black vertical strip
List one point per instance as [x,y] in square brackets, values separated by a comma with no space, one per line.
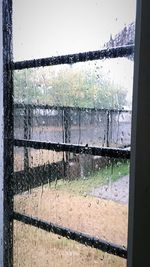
[107,127]
[79,115]
[111,141]
[26,137]
[30,122]
[63,138]
[67,124]
[8,132]
[139,187]
[63,126]
[66,138]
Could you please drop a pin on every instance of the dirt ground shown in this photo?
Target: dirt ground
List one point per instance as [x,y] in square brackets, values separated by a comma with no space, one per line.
[36,248]
[101,218]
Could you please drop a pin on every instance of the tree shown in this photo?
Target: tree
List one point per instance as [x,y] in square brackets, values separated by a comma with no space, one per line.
[77,86]
[26,88]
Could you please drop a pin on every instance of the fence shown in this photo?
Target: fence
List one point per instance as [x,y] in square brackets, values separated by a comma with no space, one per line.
[80,126]
[7,191]
[99,127]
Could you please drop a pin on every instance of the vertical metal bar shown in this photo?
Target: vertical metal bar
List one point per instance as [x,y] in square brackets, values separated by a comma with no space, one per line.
[139,197]
[8,132]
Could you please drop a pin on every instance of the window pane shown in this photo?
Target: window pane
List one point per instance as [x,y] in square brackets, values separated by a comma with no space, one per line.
[94,84]
[38,248]
[55,190]
[87,103]
[52,27]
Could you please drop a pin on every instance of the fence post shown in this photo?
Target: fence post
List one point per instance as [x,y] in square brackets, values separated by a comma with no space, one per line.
[111,129]
[107,128]
[27,133]
[66,135]
[67,125]
[26,158]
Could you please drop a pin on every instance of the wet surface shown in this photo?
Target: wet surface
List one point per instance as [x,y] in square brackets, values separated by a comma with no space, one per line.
[117,191]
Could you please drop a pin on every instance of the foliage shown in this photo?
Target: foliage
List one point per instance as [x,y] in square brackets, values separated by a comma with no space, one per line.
[68,86]
[26,88]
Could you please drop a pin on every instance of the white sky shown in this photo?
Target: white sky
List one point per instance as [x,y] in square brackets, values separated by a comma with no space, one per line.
[44,28]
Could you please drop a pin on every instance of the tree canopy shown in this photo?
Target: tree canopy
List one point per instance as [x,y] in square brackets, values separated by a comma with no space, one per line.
[68,86]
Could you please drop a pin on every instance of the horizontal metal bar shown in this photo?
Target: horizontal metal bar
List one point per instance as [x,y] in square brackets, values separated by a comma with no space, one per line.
[73,235]
[124,51]
[38,106]
[78,149]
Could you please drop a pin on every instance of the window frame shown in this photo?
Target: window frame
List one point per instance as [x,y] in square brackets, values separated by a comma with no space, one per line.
[139,188]
[1,140]
[6,132]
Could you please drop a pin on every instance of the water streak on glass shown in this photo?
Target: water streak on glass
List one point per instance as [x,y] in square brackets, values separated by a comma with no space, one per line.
[86,103]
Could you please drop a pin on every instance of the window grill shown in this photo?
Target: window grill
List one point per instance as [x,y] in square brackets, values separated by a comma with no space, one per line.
[10,142]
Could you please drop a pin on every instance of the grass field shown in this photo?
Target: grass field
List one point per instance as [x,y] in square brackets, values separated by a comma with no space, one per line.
[68,204]
[37,248]
[86,184]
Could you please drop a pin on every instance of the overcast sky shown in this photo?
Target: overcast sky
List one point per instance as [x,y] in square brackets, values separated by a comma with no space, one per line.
[43,28]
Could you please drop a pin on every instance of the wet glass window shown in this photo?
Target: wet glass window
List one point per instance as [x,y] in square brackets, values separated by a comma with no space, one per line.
[80,104]
[72,131]
[53,27]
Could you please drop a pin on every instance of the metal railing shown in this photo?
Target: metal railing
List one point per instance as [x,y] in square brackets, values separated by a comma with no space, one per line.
[9,143]
[83,149]
[78,132]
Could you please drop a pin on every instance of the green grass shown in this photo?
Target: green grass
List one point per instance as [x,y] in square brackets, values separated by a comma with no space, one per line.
[86,184]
